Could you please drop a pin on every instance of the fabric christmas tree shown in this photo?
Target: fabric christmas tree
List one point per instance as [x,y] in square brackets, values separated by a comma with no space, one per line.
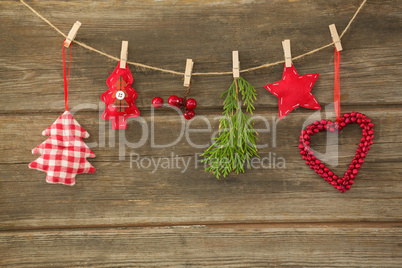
[120,98]
[63,153]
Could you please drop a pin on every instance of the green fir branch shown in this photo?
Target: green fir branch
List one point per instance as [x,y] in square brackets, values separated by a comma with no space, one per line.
[235,145]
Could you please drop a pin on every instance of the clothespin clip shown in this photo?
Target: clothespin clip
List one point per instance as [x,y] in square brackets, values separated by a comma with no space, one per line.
[72,34]
[123,54]
[189,70]
[335,37]
[288,54]
[236,64]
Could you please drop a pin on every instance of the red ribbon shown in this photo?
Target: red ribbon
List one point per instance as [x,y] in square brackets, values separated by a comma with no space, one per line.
[337,91]
[66,79]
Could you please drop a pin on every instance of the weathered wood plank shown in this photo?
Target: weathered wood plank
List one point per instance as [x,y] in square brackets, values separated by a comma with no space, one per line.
[119,194]
[166,33]
[21,133]
[198,246]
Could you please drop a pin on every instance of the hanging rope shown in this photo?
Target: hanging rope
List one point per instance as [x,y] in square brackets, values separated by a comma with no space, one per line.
[182,73]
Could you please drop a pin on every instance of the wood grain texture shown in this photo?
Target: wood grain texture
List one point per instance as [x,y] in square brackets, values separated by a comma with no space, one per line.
[201,246]
[269,216]
[120,193]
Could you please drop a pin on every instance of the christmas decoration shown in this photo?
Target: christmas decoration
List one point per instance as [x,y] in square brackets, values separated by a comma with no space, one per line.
[294,91]
[235,145]
[157,102]
[340,183]
[63,154]
[120,98]
[187,106]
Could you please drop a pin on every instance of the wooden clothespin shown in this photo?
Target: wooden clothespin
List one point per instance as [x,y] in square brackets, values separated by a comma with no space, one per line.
[72,34]
[123,54]
[335,37]
[236,64]
[288,54]
[189,70]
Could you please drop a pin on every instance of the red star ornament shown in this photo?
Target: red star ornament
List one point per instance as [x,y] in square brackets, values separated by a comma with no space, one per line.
[294,91]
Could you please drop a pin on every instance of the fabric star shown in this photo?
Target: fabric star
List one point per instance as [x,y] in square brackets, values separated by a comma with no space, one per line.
[294,91]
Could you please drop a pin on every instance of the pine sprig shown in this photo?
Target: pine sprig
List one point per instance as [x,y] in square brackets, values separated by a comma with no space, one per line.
[235,145]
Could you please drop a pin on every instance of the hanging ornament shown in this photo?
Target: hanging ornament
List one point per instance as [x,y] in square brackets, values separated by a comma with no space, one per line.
[63,154]
[341,183]
[187,106]
[293,90]
[120,97]
[235,145]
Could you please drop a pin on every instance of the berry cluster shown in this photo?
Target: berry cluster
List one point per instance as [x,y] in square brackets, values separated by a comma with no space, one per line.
[186,105]
[344,183]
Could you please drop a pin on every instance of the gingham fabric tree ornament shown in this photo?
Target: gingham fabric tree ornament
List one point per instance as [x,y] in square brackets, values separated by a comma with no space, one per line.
[63,154]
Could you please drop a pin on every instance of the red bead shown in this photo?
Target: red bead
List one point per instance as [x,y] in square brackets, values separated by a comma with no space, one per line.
[361,161]
[157,102]
[316,130]
[357,166]
[352,177]
[191,104]
[330,173]
[323,122]
[347,187]
[355,171]
[350,182]
[188,114]
[301,146]
[339,181]
[173,100]
[322,166]
[316,122]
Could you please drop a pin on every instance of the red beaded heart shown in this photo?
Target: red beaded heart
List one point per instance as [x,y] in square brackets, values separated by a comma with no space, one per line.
[344,183]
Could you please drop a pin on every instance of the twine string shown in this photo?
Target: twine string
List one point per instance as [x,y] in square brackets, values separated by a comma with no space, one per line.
[182,73]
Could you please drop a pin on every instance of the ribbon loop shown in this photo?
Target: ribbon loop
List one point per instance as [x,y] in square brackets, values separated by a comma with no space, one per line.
[66,78]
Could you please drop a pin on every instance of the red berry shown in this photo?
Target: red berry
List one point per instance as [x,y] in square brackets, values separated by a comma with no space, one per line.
[188,114]
[157,102]
[191,104]
[173,100]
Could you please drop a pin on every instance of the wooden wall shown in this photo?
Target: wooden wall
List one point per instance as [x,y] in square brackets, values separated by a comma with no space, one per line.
[122,216]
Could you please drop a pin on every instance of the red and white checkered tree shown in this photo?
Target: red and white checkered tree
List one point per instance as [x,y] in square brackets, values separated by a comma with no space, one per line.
[63,153]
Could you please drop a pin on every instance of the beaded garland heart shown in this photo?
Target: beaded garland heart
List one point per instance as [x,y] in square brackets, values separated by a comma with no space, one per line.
[340,183]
